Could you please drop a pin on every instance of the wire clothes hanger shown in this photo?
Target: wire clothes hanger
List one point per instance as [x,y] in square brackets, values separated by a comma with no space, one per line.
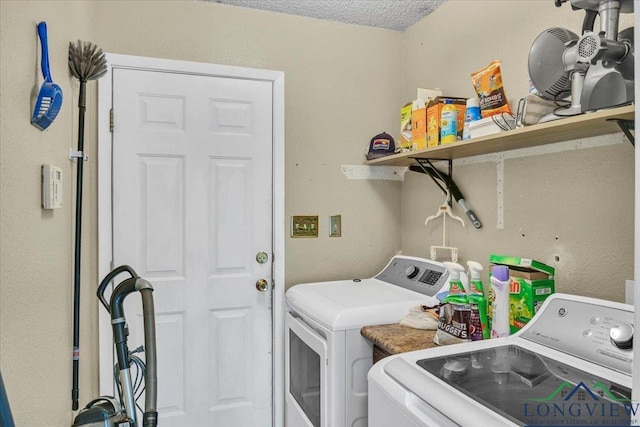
[443,211]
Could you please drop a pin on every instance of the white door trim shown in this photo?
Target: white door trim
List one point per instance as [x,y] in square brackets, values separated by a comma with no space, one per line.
[105,238]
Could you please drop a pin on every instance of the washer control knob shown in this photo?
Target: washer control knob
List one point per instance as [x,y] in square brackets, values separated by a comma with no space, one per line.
[411,271]
[621,335]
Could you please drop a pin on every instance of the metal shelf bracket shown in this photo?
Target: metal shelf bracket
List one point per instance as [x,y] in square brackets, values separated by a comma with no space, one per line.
[426,167]
[626,126]
[422,165]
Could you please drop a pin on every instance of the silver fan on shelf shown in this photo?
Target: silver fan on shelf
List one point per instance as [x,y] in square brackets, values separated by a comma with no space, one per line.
[595,69]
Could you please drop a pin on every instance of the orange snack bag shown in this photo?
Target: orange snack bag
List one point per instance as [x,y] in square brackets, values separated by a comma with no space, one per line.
[488,85]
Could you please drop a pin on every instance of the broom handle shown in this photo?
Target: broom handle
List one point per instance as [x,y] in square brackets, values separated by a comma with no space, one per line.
[76,282]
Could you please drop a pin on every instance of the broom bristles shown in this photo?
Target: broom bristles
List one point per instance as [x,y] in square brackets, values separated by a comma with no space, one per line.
[86,61]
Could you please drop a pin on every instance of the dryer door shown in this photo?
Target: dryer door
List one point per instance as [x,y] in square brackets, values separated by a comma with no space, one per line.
[305,374]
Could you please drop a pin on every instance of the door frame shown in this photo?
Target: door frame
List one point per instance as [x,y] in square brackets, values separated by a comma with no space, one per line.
[105,237]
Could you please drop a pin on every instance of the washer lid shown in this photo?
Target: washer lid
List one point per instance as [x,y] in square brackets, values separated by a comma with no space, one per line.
[349,304]
[521,385]
[503,383]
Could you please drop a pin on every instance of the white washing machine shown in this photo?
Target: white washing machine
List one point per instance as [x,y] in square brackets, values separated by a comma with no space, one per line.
[326,357]
[571,365]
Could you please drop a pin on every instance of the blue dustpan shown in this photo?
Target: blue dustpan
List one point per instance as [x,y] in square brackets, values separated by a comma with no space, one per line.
[50,96]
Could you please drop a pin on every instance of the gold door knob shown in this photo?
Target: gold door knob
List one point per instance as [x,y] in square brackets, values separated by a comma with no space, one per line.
[262,285]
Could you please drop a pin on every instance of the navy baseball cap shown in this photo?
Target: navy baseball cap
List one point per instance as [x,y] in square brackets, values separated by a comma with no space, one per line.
[381,145]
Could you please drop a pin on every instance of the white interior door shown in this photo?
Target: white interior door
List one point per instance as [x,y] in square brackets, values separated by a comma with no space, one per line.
[192,206]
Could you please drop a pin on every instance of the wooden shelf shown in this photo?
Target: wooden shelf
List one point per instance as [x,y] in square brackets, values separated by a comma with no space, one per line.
[576,127]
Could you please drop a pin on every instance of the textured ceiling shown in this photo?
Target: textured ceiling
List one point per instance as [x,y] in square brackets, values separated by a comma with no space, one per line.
[390,14]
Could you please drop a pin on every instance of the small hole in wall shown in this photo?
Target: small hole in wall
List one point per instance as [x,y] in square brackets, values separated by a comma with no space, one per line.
[523,235]
[556,237]
[557,258]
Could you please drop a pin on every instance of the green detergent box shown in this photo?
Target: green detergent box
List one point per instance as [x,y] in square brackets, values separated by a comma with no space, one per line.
[531,283]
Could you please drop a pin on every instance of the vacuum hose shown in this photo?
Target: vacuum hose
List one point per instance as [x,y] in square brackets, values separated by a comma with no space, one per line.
[120,333]
[150,416]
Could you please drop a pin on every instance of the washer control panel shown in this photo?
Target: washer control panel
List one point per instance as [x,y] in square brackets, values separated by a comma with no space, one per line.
[598,331]
[416,274]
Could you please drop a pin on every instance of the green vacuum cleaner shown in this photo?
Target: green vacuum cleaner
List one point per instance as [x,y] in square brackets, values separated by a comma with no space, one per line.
[107,411]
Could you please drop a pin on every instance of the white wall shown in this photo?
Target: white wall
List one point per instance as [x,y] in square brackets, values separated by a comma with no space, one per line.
[342,86]
[572,209]
[36,246]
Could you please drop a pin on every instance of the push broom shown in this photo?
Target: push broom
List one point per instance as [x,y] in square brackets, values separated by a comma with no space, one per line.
[86,62]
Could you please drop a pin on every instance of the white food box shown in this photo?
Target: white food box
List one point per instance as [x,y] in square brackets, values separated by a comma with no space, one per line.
[491,125]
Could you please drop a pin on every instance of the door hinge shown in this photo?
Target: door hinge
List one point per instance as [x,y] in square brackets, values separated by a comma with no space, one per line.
[111,120]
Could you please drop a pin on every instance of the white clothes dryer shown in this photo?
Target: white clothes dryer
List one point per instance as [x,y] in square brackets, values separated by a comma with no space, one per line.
[570,365]
[326,357]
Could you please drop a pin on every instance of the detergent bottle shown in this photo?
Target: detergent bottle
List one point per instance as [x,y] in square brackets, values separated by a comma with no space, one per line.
[448,123]
[500,287]
[478,303]
[457,291]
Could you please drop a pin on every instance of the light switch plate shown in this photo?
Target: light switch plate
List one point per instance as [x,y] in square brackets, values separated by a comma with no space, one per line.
[335,226]
[304,226]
